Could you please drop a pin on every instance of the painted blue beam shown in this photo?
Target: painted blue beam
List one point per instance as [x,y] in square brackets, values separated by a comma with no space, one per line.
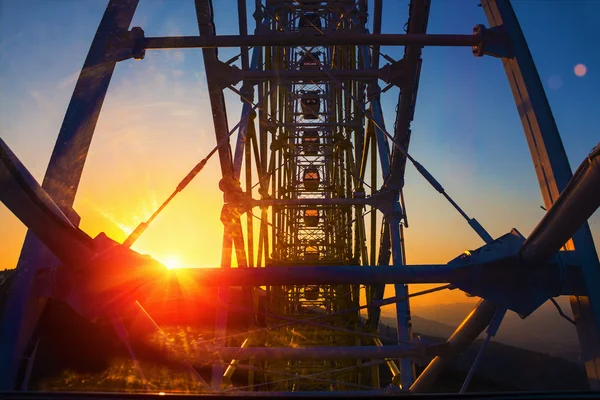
[552,170]
[61,181]
[247,109]
[204,14]
[391,225]
[403,317]
[407,98]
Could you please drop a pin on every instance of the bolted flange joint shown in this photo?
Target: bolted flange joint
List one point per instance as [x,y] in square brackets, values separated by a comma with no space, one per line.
[373,90]
[236,201]
[386,201]
[126,44]
[247,94]
[395,73]
[492,42]
[138,51]
[359,193]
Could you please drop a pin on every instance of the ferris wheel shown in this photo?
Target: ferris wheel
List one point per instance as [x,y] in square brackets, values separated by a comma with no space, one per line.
[313,213]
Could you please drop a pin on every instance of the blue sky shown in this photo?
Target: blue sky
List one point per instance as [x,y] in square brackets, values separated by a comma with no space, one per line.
[155,123]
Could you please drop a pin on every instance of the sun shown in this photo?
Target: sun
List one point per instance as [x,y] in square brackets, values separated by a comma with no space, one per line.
[172,262]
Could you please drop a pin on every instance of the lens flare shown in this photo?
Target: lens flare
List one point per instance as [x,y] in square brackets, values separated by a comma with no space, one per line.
[171,262]
[580,70]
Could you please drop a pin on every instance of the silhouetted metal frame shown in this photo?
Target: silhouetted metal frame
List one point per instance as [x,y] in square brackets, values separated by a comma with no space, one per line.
[553,172]
[24,306]
[419,17]
[390,229]
[296,39]
[68,158]
[232,229]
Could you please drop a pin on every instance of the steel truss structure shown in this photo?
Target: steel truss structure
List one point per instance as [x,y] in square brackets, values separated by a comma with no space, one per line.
[307,154]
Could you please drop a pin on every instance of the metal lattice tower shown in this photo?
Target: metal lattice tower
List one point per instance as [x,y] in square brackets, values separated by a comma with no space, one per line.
[314,162]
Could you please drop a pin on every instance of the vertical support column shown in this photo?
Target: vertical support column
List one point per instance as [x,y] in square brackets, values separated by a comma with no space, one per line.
[373,94]
[61,181]
[233,232]
[359,130]
[246,117]
[407,99]
[248,175]
[218,368]
[243,22]
[378,9]
[382,143]
[373,211]
[552,170]
[205,17]
[407,371]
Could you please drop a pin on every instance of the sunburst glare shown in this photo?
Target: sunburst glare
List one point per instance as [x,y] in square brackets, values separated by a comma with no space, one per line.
[172,262]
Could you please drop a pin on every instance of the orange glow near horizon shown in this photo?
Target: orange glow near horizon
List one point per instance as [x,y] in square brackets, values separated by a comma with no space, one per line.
[187,233]
[172,263]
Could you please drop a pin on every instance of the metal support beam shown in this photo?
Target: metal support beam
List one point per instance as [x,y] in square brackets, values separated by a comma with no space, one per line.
[321,353]
[310,202]
[403,320]
[205,17]
[274,124]
[419,17]
[303,39]
[396,374]
[305,75]
[575,205]
[468,331]
[326,275]
[221,314]
[377,113]
[382,144]
[377,31]
[552,170]
[234,363]
[247,91]
[61,181]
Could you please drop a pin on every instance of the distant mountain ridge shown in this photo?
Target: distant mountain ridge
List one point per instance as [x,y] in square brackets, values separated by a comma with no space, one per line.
[544,331]
[510,366]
